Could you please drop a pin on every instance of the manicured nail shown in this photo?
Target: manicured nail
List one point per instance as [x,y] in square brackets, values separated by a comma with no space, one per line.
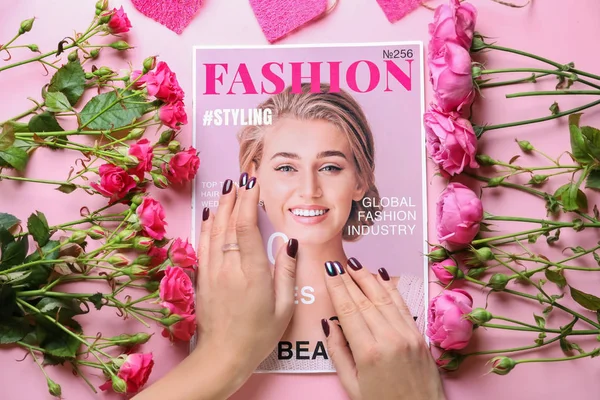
[384,274]
[243,179]
[339,268]
[334,318]
[292,248]
[227,186]
[205,213]
[354,263]
[331,271]
[251,184]
[325,326]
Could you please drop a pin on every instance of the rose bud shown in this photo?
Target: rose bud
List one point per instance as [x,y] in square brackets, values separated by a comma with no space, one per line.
[101,5]
[459,214]
[78,237]
[134,271]
[438,254]
[476,272]
[54,388]
[142,243]
[480,256]
[103,71]
[450,361]
[126,235]
[502,365]
[485,160]
[118,260]
[174,146]
[33,47]
[448,328]
[96,232]
[479,316]
[170,320]
[136,134]
[525,145]
[118,384]
[94,54]
[152,286]
[159,180]
[498,281]
[73,56]
[26,26]
[446,271]
[149,64]
[120,45]
[143,259]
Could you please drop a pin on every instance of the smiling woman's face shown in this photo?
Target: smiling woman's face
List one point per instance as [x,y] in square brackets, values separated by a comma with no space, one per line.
[308,179]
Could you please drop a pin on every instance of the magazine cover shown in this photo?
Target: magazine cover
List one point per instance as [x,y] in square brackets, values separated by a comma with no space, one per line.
[333,134]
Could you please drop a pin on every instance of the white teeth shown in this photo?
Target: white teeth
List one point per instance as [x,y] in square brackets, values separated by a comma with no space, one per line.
[307,213]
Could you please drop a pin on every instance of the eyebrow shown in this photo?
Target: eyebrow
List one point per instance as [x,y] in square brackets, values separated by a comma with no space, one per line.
[323,154]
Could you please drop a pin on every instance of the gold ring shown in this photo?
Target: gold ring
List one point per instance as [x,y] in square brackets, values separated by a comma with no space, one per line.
[230,247]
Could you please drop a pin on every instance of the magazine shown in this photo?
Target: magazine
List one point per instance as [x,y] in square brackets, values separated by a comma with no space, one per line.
[334,135]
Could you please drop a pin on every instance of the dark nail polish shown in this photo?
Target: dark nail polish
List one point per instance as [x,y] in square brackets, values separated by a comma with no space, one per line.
[384,274]
[325,326]
[205,213]
[292,248]
[339,268]
[331,271]
[354,263]
[227,186]
[243,179]
[251,184]
[334,318]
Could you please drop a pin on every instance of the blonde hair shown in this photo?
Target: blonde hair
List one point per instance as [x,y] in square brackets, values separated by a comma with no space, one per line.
[341,110]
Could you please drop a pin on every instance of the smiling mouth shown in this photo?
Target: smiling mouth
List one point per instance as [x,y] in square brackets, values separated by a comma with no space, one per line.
[308,213]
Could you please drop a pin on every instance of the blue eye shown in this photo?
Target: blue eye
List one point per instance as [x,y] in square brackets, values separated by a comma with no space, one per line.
[330,168]
[284,168]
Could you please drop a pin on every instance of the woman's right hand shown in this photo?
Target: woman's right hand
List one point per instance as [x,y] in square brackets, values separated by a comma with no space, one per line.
[379,354]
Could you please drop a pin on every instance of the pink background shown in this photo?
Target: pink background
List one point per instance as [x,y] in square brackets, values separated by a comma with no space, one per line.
[565,32]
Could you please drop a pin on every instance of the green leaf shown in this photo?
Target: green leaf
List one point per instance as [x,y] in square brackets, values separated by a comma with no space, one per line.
[578,148]
[591,137]
[541,322]
[7,221]
[597,258]
[57,102]
[7,137]
[586,300]
[8,301]
[14,253]
[556,277]
[60,344]
[38,228]
[593,179]
[565,345]
[18,127]
[572,197]
[44,122]
[60,309]
[111,116]
[40,273]
[13,329]
[70,80]
[14,157]
[66,188]
[96,299]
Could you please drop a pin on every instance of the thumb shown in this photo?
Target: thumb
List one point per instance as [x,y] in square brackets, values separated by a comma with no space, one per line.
[342,358]
[285,280]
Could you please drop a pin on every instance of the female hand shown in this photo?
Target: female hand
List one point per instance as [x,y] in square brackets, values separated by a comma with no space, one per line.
[379,354]
[243,307]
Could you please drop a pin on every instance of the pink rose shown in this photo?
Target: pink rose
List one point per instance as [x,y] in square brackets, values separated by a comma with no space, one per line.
[182,254]
[182,167]
[158,254]
[441,272]
[118,23]
[173,114]
[177,291]
[450,75]
[454,22]
[451,140]
[135,371]
[448,328]
[115,182]
[182,330]
[138,80]
[142,150]
[163,84]
[459,212]
[152,218]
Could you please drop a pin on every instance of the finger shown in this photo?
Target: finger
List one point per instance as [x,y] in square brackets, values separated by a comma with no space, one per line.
[204,249]
[384,280]
[356,330]
[230,234]
[341,356]
[248,234]
[377,294]
[219,226]
[375,320]
[285,280]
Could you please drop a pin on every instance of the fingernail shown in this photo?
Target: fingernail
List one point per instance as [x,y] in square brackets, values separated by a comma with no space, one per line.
[384,274]
[251,184]
[227,186]
[292,248]
[331,271]
[243,179]
[354,263]
[339,268]
[334,318]
[205,213]
[325,326]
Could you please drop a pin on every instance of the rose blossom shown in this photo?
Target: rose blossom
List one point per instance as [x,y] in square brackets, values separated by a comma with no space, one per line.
[459,212]
[182,330]
[182,254]
[182,167]
[177,291]
[119,22]
[442,273]
[173,114]
[115,183]
[448,328]
[142,150]
[454,22]
[135,371]
[162,84]
[158,254]
[450,75]
[138,80]
[152,218]
[451,140]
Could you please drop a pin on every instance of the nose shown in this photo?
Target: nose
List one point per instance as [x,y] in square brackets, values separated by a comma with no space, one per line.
[310,187]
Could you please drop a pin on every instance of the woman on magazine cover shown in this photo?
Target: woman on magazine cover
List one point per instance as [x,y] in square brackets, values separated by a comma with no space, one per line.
[316,166]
